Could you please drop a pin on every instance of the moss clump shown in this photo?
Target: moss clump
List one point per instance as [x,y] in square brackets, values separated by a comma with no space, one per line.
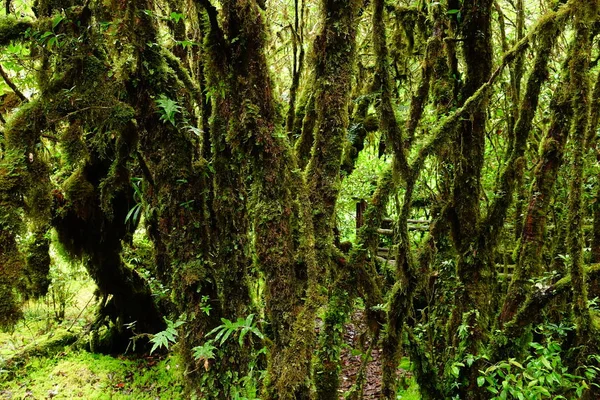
[9,101]
[37,266]
[72,144]
[12,28]
[23,130]
[10,310]
[80,194]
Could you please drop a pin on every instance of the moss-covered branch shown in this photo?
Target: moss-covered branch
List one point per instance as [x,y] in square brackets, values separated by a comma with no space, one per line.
[551,158]
[12,28]
[513,171]
[529,312]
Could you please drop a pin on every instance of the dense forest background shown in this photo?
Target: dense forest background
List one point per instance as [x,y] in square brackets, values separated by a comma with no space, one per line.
[237,185]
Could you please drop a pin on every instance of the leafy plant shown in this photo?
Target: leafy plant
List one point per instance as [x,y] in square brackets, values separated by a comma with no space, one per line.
[241,388]
[227,329]
[204,352]
[176,17]
[134,213]
[168,109]
[243,326]
[542,375]
[167,337]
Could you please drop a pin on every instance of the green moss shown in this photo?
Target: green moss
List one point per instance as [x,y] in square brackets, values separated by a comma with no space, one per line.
[12,182]
[10,306]
[24,127]
[79,374]
[80,194]
[72,144]
[37,268]
[11,224]
[12,28]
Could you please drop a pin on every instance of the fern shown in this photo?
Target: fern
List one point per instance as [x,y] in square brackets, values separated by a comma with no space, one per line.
[167,337]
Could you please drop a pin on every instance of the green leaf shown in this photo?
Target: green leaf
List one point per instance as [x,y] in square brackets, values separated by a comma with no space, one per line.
[455,371]
[545,362]
[57,20]
[480,381]
[215,330]
[204,352]
[242,334]
[220,334]
[258,333]
[227,334]
[515,363]
[176,17]
[154,347]
[131,212]
[169,108]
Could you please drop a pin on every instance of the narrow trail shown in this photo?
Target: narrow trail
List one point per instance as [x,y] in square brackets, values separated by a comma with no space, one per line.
[355,338]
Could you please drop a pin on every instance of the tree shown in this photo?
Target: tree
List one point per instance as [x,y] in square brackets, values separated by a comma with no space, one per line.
[170,110]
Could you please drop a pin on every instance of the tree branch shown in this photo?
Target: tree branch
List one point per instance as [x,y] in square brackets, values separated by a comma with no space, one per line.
[10,83]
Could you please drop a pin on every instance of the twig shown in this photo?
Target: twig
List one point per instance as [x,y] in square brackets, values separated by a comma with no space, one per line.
[12,85]
[80,312]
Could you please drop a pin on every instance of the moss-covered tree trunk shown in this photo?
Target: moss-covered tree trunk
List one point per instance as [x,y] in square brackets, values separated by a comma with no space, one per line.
[176,214]
[580,92]
[334,53]
[593,143]
[84,213]
[11,260]
[473,270]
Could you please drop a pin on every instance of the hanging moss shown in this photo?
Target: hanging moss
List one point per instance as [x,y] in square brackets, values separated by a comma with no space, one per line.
[72,144]
[37,264]
[80,194]
[86,231]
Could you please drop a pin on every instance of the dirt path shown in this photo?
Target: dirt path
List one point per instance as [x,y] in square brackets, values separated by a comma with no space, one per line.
[355,338]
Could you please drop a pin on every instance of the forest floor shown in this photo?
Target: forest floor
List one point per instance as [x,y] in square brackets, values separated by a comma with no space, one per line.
[352,361]
[68,372]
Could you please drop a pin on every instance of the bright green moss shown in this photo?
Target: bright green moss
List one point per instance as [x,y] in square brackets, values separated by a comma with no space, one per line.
[79,374]
[80,194]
